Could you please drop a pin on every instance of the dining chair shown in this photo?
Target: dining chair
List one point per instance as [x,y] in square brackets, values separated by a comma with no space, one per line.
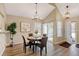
[25,44]
[42,44]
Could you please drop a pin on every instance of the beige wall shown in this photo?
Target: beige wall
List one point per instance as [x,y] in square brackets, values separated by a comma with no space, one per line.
[17,37]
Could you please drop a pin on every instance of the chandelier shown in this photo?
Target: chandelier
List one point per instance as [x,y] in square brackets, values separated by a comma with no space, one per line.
[36,12]
[36,18]
[67,14]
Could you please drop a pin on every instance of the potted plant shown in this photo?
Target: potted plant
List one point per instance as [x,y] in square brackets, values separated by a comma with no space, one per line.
[12,29]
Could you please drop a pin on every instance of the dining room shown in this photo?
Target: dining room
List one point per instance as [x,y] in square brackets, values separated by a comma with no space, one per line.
[38,29]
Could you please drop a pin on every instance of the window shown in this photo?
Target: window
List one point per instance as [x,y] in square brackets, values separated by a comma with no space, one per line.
[59,28]
[50,29]
[45,28]
[73,30]
[38,27]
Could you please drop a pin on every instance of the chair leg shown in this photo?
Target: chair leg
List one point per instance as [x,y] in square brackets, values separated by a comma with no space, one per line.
[33,48]
[24,48]
[41,51]
[30,47]
[46,50]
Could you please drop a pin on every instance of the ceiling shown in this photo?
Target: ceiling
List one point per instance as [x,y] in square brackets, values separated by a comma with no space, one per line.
[28,9]
[73,8]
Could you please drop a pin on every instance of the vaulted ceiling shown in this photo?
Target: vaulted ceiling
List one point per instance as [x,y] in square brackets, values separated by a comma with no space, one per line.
[28,9]
[73,9]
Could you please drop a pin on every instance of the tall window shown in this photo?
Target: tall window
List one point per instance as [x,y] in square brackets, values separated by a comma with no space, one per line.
[73,30]
[45,28]
[59,28]
[50,29]
[38,27]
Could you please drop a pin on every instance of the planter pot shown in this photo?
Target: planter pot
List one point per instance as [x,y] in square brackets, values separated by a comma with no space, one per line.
[11,43]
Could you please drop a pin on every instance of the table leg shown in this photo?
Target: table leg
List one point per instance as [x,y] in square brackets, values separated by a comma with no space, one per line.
[34,47]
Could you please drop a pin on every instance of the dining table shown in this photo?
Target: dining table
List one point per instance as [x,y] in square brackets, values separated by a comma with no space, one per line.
[34,40]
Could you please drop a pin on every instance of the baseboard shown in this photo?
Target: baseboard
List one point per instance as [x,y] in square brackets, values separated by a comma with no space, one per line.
[8,45]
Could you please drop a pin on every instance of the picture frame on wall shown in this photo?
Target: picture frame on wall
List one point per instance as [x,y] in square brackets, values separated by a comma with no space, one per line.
[25,27]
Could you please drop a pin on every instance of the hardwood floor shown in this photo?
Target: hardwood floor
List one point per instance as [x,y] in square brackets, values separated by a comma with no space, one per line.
[53,50]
